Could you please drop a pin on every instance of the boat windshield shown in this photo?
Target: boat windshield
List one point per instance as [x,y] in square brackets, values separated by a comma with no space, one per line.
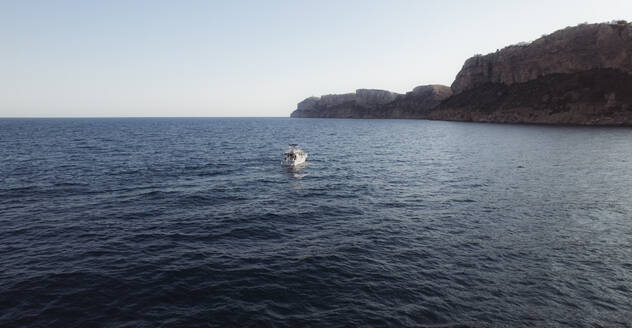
[292,148]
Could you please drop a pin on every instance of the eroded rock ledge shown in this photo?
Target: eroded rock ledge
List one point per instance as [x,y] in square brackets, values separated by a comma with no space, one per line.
[371,103]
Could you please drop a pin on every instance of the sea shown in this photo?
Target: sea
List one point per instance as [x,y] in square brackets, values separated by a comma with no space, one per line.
[194,222]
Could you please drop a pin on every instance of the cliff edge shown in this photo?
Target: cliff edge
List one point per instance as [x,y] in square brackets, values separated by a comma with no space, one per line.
[570,50]
[372,103]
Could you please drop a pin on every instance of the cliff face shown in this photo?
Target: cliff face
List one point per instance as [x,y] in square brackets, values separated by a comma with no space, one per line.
[370,103]
[578,75]
[593,97]
[571,50]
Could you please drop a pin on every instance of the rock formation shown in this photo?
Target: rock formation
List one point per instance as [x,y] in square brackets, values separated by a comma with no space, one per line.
[593,97]
[578,75]
[571,50]
[371,103]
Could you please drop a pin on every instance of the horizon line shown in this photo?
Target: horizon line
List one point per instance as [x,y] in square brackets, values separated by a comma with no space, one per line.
[67,117]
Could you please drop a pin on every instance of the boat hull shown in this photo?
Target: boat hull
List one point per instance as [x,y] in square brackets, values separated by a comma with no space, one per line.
[294,162]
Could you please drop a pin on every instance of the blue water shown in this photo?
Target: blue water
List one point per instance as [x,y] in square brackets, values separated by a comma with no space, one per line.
[193,222]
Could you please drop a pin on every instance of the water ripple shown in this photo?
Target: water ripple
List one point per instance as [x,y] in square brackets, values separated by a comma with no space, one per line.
[192,222]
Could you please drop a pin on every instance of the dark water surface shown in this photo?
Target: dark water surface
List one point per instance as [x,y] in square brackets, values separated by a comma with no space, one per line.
[193,222]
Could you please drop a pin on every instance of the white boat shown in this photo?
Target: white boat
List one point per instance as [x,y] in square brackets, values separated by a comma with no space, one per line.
[293,156]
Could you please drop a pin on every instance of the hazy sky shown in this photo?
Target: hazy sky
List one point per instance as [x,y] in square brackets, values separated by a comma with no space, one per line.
[249,58]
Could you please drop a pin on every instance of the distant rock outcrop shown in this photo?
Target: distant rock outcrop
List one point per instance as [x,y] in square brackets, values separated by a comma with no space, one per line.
[371,103]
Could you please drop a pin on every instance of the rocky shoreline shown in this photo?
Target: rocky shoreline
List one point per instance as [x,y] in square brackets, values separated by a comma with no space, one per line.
[577,75]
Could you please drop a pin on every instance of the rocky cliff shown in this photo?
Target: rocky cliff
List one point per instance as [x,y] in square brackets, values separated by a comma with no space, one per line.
[371,103]
[570,50]
[593,97]
[578,75]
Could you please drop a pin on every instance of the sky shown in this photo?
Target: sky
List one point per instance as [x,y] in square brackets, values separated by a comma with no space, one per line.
[249,58]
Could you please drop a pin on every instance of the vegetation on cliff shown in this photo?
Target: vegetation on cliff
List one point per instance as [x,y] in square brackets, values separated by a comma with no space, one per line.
[593,97]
